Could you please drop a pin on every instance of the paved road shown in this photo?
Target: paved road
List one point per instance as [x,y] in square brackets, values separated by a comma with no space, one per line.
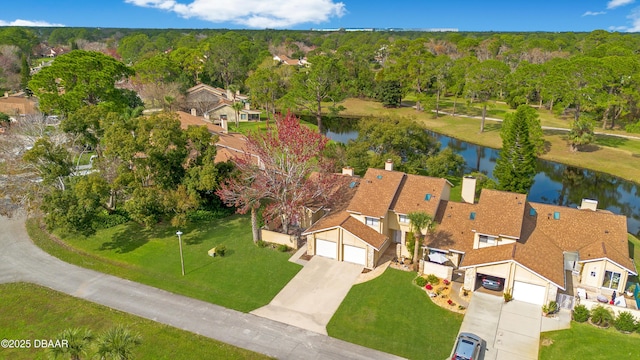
[21,260]
[312,297]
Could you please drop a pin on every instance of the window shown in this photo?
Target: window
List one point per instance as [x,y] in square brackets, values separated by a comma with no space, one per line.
[243,116]
[403,219]
[372,221]
[611,280]
[489,240]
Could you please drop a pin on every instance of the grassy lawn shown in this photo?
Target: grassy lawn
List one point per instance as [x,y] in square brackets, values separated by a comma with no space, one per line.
[247,278]
[33,312]
[585,341]
[634,253]
[391,314]
[248,127]
[616,156]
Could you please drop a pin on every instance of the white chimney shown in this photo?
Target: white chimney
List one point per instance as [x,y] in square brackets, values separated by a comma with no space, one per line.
[469,189]
[347,170]
[229,94]
[206,116]
[6,94]
[589,204]
[224,125]
[246,106]
[388,165]
[194,112]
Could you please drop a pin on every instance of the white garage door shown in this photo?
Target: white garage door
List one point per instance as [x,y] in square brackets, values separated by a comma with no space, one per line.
[530,293]
[326,248]
[354,254]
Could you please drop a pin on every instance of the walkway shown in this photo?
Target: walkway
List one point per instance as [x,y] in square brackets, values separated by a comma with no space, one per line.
[311,298]
[630,137]
[21,260]
[511,330]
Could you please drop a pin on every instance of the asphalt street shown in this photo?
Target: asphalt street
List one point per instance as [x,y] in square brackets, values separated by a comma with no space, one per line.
[21,260]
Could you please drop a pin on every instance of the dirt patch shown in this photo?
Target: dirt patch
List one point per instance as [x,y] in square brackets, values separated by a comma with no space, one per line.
[546,342]
[306,257]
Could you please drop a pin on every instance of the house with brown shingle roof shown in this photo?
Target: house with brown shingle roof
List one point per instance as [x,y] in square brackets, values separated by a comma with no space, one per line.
[228,145]
[535,250]
[216,104]
[376,217]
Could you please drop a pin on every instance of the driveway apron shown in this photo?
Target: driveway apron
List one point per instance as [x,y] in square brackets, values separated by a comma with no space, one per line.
[21,260]
[511,330]
[311,298]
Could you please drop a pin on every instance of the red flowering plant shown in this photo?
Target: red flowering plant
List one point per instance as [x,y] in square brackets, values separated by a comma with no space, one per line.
[428,287]
[445,281]
[450,302]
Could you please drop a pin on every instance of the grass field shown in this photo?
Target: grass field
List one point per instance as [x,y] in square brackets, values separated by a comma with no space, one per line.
[391,314]
[246,278]
[612,155]
[33,312]
[585,341]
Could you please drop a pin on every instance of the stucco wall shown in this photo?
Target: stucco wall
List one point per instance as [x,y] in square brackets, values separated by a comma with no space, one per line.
[441,271]
[524,275]
[499,270]
[599,268]
[279,238]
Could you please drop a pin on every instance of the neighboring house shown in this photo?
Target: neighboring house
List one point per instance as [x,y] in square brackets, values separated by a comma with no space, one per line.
[537,250]
[228,146]
[17,105]
[284,59]
[225,111]
[215,103]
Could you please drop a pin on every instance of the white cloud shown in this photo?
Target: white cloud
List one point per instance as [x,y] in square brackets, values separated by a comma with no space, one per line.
[612,4]
[618,28]
[252,13]
[634,16]
[20,22]
[594,13]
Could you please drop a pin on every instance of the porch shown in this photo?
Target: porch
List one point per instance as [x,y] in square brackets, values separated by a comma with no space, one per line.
[591,296]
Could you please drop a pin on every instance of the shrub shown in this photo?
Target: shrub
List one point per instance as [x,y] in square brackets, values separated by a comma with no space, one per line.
[460,307]
[550,308]
[283,248]
[625,322]
[104,220]
[580,313]
[420,281]
[601,316]
[207,215]
[507,296]
[221,250]
[410,243]
[433,280]
[262,244]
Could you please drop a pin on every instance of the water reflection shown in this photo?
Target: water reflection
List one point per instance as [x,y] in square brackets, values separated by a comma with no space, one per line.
[554,184]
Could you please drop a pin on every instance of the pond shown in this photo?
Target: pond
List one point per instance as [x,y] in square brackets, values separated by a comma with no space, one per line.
[554,183]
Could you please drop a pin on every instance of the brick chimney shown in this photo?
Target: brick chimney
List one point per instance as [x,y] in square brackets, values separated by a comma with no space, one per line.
[388,165]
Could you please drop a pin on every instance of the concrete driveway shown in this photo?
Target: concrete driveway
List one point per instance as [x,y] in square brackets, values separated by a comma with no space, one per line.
[511,330]
[311,298]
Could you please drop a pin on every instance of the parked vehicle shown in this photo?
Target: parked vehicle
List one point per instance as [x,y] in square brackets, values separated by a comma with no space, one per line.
[468,347]
[492,283]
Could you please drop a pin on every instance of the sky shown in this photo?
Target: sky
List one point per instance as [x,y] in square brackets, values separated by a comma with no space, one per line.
[468,15]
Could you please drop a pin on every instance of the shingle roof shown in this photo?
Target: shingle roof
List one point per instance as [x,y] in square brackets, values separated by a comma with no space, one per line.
[419,193]
[187,120]
[500,213]
[344,220]
[376,192]
[454,227]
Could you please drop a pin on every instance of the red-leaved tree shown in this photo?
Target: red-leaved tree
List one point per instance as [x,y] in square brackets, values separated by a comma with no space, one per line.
[284,170]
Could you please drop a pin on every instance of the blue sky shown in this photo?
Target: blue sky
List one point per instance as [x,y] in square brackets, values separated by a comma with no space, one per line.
[471,15]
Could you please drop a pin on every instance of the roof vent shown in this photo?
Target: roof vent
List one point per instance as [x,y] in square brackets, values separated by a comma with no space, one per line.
[427,197]
[472,215]
[532,212]
[352,184]
[379,177]
[556,215]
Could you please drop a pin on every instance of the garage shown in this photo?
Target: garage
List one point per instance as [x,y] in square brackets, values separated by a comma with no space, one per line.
[354,255]
[530,293]
[326,248]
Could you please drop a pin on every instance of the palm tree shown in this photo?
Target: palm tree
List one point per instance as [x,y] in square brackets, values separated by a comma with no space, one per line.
[419,221]
[117,343]
[237,106]
[78,341]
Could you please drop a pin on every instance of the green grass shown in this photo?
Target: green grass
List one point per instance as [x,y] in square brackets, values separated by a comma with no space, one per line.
[246,278]
[585,341]
[33,312]
[391,314]
[248,127]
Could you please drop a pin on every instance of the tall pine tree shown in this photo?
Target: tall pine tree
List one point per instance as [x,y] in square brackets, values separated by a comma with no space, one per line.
[516,165]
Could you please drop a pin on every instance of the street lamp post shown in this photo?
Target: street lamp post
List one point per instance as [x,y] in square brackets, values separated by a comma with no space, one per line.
[179,233]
